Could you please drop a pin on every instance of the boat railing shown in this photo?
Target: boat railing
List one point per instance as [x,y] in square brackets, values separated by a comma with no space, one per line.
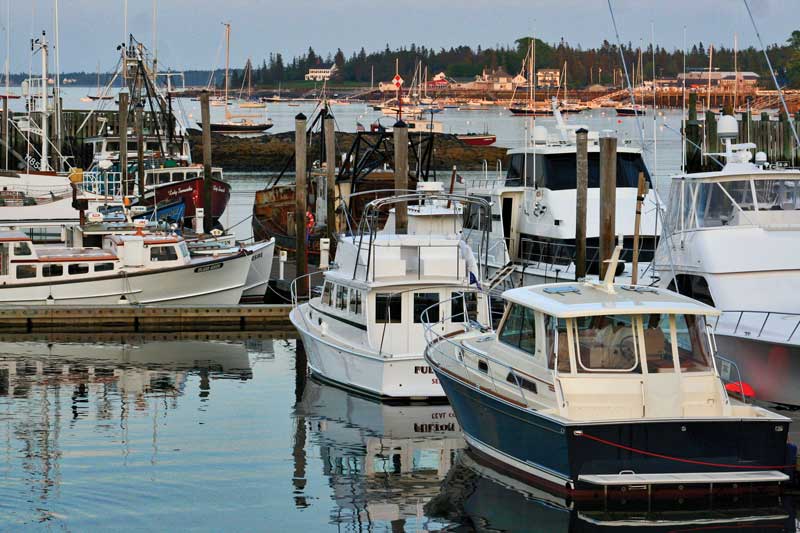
[723,369]
[306,282]
[454,352]
[486,181]
[778,326]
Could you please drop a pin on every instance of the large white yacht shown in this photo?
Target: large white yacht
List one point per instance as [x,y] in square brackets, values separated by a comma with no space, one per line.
[593,388]
[731,240]
[534,207]
[365,331]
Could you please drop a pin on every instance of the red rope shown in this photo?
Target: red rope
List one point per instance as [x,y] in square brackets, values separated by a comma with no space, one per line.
[680,459]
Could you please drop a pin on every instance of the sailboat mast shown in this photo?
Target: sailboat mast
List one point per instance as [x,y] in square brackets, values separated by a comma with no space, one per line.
[44,164]
[57,93]
[155,40]
[735,72]
[227,62]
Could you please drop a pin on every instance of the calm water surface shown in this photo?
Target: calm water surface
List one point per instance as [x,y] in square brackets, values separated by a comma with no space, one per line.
[221,433]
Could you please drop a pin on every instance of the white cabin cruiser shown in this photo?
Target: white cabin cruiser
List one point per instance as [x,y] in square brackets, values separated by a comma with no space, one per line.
[127,269]
[604,388]
[533,224]
[365,331]
[731,240]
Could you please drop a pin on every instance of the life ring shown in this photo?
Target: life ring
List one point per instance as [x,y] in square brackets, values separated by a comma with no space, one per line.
[309,221]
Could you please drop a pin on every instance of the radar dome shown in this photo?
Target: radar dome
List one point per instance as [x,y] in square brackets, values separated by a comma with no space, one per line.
[727,127]
[761,158]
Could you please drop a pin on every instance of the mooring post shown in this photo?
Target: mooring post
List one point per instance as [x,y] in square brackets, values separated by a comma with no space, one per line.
[330,176]
[6,140]
[123,144]
[582,145]
[401,175]
[301,198]
[205,117]
[140,149]
[608,198]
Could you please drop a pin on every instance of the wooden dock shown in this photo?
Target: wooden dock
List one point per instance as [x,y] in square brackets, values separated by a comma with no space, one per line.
[133,318]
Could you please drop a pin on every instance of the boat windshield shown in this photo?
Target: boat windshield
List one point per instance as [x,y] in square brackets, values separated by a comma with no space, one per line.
[696,205]
[609,343]
[558,172]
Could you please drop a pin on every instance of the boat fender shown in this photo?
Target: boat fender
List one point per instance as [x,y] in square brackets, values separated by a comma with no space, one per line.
[309,221]
[745,390]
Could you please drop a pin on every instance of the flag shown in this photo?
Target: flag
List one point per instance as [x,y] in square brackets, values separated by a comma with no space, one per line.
[472,265]
[360,127]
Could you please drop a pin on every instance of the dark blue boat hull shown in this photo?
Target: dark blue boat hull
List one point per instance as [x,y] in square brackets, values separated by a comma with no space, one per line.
[533,445]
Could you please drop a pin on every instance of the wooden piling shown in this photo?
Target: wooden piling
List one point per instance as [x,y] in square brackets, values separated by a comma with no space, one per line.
[140,150]
[693,138]
[330,176]
[608,199]
[301,199]
[6,140]
[401,175]
[205,117]
[123,142]
[582,155]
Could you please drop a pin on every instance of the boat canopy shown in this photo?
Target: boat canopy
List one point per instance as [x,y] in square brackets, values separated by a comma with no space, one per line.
[558,171]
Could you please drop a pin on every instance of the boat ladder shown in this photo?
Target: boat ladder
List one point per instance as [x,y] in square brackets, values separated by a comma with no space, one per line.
[501,275]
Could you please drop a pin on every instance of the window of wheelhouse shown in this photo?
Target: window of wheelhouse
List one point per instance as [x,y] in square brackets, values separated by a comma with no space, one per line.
[388,308]
[78,268]
[519,329]
[26,271]
[457,303]
[4,259]
[163,253]
[355,302]
[606,343]
[327,293]
[694,353]
[557,343]
[341,298]
[22,248]
[52,270]
[423,301]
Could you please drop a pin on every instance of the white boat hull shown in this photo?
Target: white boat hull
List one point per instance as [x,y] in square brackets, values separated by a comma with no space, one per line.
[219,282]
[398,377]
[260,269]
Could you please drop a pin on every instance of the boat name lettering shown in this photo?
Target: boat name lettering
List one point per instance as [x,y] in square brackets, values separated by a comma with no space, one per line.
[207,268]
[432,427]
[443,414]
[423,370]
[175,192]
[257,256]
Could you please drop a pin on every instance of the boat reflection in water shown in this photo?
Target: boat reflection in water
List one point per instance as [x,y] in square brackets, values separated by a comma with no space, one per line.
[482,499]
[383,462]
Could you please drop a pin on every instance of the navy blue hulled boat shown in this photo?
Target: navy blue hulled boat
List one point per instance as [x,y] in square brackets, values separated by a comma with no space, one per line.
[594,388]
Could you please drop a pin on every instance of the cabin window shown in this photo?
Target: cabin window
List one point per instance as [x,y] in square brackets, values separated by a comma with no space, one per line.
[178,176]
[477,217]
[694,353]
[4,259]
[51,271]
[26,271]
[78,268]
[183,249]
[163,253]
[557,331]
[327,293]
[103,267]
[216,174]
[341,298]
[606,343]
[148,180]
[522,382]
[519,330]
[355,301]
[388,308]
[457,306]
[192,175]
[22,249]
[657,344]
[423,301]
[163,177]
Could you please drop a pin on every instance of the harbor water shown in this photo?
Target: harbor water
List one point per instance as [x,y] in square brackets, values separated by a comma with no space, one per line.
[213,432]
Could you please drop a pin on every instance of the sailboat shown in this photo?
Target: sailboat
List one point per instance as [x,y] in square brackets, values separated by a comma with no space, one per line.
[99,95]
[274,97]
[242,125]
[249,103]
[529,109]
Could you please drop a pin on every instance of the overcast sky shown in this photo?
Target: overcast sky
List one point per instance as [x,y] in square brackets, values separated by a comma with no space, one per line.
[190,31]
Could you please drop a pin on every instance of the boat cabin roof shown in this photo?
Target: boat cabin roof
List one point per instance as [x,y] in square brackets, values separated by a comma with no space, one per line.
[149,239]
[569,300]
[74,254]
[744,172]
[13,236]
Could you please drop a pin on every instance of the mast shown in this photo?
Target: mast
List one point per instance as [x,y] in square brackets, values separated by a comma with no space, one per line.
[227,63]
[42,42]
[155,40]
[57,93]
[710,64]
[735,73]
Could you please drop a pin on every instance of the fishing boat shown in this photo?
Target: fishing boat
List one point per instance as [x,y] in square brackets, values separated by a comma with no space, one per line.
[534,207]
[364,332]
[596,388]
[731,240]
[127,269]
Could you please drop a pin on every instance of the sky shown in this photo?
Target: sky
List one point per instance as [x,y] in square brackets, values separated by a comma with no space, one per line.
[190,31]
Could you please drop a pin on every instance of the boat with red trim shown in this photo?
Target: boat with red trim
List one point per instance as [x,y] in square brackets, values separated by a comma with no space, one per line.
[601,388]
[477,139]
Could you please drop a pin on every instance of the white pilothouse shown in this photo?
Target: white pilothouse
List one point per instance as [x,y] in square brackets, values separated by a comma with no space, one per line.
[365,331]
[731,240]
[533,224]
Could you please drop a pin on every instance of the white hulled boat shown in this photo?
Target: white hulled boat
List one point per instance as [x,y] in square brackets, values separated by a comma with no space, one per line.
[136,269]
[534,208]
[365,331]
[731,240]
[594,389]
